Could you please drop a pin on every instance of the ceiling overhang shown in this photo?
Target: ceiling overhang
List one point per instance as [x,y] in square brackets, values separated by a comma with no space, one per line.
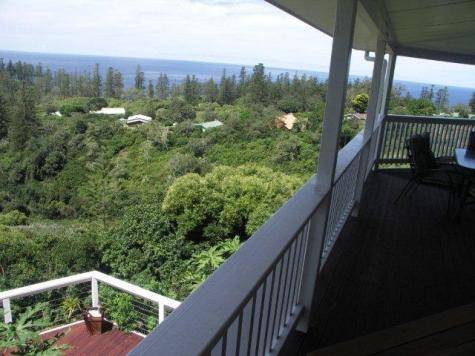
[442,30]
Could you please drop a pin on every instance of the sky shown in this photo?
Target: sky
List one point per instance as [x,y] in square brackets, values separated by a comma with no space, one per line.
[223,31]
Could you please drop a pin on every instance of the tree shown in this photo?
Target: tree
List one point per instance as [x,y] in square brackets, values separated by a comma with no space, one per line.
[190,89]
[211,91]
[226,89]
[426,93]
[118,85]
[4,116]
[150,90]
[421,107]
[227,201]
[96,82]
[163,87]
[472,103]
[139,78]
[462,110]
[360,103]
[109,84]
[25,124]
[442,99]
[257,85]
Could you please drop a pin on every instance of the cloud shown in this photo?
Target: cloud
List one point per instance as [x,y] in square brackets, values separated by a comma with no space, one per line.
[244,32]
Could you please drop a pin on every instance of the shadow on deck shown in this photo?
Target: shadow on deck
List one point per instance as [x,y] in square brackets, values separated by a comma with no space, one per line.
[391,265]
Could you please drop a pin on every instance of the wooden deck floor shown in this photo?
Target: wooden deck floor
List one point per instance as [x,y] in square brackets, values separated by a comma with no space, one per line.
[391,265]
[113,342]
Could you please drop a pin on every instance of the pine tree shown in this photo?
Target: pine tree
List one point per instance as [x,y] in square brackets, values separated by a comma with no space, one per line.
[191,89]
[139,79]
[96,81]
[442,99]
[4,118]
[150,90]
[118,85]
[472,103]
[109,83]
[163,87]
[257,84]
[210,91]
[226,95]
[25,124]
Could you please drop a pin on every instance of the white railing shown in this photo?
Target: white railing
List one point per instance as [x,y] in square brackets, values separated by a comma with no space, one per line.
[150,301]
[250,304]
[446,134]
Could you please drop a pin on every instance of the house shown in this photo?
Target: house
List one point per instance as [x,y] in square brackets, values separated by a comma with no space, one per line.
[355,116]
[139,119]
[109,111]
[205,126]
[287,121]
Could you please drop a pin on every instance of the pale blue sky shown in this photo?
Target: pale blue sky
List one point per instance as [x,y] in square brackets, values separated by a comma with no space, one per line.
[241,31]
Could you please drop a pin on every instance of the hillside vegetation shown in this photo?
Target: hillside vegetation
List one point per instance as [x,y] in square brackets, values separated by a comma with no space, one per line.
[162,204]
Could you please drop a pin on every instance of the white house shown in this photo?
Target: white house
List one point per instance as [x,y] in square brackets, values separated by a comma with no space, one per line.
[138,120]
[109,111]
[209,125]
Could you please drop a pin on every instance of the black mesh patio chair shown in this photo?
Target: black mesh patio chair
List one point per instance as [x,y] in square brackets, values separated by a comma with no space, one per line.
[426,169]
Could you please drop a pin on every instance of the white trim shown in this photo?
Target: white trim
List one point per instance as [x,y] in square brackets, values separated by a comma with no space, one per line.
[61,327]
[330,140]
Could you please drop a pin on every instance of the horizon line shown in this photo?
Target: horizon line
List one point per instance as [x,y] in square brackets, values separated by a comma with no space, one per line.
[224,63]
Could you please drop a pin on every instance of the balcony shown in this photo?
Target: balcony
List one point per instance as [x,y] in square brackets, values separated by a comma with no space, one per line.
[339,260]
[66,299]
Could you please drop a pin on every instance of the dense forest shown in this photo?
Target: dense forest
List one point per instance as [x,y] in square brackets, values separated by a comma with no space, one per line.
[165,203]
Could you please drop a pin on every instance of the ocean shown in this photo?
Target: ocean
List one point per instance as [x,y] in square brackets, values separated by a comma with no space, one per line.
[177,70]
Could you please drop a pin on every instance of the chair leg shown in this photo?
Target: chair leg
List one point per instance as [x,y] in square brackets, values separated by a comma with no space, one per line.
[405,190]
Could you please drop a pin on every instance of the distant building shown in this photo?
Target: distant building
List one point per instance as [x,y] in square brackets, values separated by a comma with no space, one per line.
[355,116]
[209,125]
[138,120]
[109,111]
[287,121]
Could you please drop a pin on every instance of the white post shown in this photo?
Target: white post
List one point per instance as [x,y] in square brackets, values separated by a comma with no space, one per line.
[370,120]
[94,293]
[161,312]
[388,84]
[334,108]
[7,311]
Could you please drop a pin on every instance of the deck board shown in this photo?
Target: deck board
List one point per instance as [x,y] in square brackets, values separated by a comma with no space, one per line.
[392,264]
[113,342]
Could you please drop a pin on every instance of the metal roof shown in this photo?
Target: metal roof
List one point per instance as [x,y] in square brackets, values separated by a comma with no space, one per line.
[431,29]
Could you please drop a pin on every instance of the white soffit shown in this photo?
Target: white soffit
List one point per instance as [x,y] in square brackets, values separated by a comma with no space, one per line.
[432,29]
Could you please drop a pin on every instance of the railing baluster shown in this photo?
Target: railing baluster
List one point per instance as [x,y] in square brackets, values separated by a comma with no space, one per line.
[239,332]
[251,325]
[271,292]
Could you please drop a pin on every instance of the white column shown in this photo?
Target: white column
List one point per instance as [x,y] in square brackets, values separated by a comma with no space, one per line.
[371,116]
[388,84]
[161,312]
[334,108]
[7,311]
[94,293]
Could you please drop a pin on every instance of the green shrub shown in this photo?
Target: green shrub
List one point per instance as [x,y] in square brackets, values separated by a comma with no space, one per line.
[13,218]
[360,103]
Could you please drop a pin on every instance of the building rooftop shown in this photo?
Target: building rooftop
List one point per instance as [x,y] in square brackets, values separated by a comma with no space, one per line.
[110,111]
[209,124]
